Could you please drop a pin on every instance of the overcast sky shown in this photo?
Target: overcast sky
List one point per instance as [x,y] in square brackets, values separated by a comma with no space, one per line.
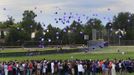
[105,9]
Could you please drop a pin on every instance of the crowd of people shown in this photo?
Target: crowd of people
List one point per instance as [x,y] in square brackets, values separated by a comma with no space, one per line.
[67,67]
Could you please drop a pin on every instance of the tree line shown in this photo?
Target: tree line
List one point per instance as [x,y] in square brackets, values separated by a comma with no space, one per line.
[74,34]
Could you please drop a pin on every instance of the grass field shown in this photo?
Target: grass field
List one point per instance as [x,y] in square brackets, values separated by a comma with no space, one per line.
[11,50]
[104,53]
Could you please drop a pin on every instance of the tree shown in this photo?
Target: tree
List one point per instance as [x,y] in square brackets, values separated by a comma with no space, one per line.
[30,25]
[9,22]
[76,33]
[125,21]
[17,34]
[93,24]
[28,22]
[52,33]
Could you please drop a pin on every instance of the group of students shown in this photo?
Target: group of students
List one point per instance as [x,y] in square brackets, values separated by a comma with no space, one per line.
[67,67]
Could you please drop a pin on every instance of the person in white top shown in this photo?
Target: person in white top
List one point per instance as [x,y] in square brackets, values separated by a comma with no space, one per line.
[44,68]
[80,69]
[113,72]
[52,68]
[5,69]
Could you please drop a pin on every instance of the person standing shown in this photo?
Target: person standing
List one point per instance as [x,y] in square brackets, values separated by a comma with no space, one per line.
[113,72]
[44,68]
[10,69]
[80,68]
[52,67]
[1,68]
[5,68]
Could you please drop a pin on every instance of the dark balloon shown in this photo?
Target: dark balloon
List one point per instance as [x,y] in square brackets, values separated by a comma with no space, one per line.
[4,8]
[64,13]
[108,9]
[59,18]
[78,19]
[56,12]
[84,15]
[63,22]
[35,8]
[87,17]
[96,14]
[67,21]
[56,21]
[69,17]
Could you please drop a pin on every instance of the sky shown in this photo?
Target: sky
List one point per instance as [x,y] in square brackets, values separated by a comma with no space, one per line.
[49,11]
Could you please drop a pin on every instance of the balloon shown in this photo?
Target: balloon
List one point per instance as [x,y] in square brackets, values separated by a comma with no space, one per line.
[128,20]
[108,9]
[64,30]
[57,33]
[56,21]
[44,33]
[64,13]
[42,39]
[84,15]
[69,17]
[57,37]
[87,18]
[93,14]
[4,8]
[31,26]
[63,22]
[41,11]
[56,12]
[70,13]
[47,30]
[78,19]
[60,19]
[49,40]
[35,8]
[81,32]
[64,19]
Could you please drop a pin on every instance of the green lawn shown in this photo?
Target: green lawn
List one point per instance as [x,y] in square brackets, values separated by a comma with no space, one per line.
[109,52]
[10,50]
[73,56]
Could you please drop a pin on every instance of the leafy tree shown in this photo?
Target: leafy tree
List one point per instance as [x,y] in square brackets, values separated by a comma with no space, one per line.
[9,22]
[125,21]
[93,24]
[28,22]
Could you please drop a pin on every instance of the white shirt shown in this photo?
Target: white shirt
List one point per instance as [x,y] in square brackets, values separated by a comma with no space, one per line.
[52,67]
[80,68]
[113,66]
